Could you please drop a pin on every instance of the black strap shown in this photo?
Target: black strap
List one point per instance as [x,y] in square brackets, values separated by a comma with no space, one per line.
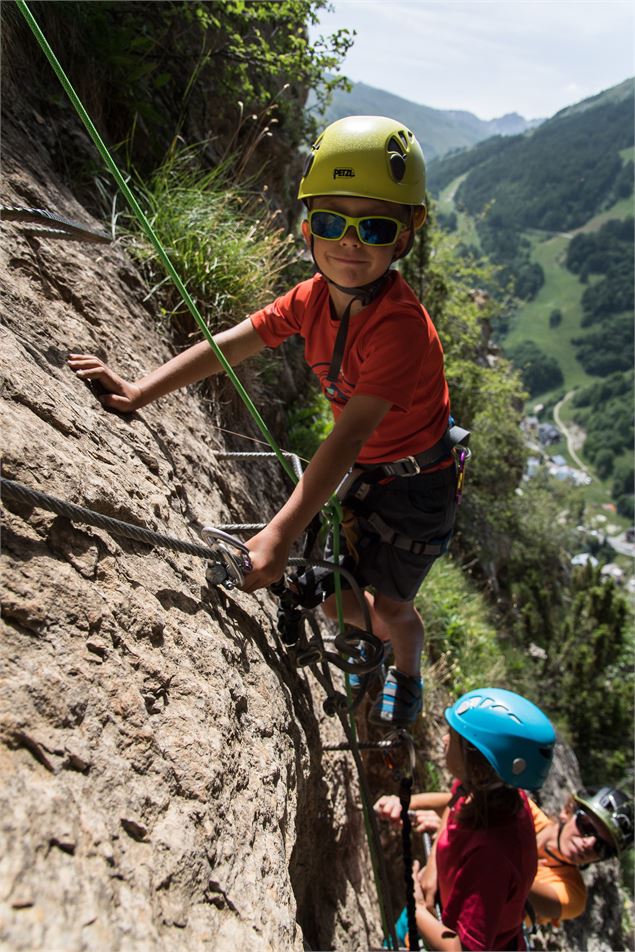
[338,349]
[405,790]
[412,465]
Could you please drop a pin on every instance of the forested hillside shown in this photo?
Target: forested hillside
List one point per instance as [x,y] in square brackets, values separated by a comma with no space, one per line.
[164,716]
[553,179]
[554,210]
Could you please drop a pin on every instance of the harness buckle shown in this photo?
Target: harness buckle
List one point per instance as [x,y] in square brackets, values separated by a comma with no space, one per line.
[408,466]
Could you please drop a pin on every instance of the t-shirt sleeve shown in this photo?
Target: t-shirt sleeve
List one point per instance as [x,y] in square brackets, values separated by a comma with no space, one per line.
[394,357]
[280,319]
[568,887]
[473,907]
[540,819]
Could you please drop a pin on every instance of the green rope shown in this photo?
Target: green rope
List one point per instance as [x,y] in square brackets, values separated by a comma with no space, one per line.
[153,238]
[150,234]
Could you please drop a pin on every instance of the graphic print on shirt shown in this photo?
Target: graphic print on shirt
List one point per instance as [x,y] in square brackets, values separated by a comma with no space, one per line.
[337,391]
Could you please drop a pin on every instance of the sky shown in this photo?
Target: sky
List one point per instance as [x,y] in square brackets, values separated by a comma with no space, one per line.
[489,57]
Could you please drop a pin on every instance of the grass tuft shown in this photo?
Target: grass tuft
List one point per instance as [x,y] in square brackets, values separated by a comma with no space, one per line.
[225,242]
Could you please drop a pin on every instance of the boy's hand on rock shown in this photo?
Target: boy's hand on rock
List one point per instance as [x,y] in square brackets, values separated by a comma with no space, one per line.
[269,554]
[116,393]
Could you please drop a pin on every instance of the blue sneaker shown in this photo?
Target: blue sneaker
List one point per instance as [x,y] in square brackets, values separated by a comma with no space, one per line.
[355,680]
[400,701]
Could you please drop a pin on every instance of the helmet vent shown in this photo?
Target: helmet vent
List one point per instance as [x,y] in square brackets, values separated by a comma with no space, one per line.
[307,165]
[395,146]
[404,141]
[397,166]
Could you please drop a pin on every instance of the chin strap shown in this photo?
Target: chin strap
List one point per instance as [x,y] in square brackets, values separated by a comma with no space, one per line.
[558,859]
[364,293]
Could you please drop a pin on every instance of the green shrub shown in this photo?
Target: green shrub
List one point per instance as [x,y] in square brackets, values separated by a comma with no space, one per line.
[309,424]
[458,630]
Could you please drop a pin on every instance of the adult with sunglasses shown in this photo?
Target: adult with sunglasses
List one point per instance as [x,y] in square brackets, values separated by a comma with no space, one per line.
[379,361]
[589,829]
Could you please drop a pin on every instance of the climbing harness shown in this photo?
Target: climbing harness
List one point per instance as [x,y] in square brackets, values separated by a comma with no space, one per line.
[455,436]
[50,224]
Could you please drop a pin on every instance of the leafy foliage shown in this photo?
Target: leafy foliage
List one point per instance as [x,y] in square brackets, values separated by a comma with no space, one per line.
[580,623]
[309,423]
[539,371]
[204,71]
[595,670]
[604,411]
[608,348]
[608,302]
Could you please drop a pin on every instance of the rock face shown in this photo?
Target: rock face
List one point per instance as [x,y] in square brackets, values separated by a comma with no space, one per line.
[163,779]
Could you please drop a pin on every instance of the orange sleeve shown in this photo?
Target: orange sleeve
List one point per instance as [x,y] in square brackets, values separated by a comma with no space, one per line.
[568,886]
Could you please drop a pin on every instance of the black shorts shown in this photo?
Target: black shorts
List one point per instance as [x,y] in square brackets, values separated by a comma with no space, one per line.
[422,507]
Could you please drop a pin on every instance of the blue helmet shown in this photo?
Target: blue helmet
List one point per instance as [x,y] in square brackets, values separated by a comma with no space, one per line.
[513,734]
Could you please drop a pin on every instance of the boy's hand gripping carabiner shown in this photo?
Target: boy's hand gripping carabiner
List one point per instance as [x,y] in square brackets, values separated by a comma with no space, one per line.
[227,568]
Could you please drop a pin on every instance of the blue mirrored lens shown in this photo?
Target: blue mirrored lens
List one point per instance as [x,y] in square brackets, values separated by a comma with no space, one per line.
[377,231]
[327,225]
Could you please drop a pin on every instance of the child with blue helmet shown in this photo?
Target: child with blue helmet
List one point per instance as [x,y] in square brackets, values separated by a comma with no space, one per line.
[484,859]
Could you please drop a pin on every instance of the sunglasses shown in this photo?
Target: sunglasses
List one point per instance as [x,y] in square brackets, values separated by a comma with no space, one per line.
[371,230]
[585,827]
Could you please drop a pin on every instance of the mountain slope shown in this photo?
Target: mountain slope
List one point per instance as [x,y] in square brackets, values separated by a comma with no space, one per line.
[554,209]
[439,131]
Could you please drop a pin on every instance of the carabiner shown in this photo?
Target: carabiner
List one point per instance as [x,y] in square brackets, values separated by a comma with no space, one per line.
[228,569]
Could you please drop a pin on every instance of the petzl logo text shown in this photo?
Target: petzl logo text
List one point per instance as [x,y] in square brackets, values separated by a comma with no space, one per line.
[343,173]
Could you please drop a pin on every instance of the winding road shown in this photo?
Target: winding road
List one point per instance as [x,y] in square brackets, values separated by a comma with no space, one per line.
[569,434]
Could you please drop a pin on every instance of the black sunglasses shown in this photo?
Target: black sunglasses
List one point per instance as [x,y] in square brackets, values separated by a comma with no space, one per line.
[585,826]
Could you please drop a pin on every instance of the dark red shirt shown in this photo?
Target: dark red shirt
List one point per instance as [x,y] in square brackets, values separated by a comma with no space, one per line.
[485,877]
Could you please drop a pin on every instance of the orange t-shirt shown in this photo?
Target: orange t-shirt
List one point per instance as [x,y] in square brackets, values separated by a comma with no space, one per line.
[565,881]
[392,351]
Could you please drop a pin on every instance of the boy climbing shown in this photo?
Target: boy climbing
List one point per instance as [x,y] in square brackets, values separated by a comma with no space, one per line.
[379,361]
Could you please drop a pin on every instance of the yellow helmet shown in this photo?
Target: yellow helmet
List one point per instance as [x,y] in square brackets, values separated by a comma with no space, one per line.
[367,157]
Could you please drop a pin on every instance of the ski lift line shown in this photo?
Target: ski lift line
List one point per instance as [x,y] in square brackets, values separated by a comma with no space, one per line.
[150,233]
